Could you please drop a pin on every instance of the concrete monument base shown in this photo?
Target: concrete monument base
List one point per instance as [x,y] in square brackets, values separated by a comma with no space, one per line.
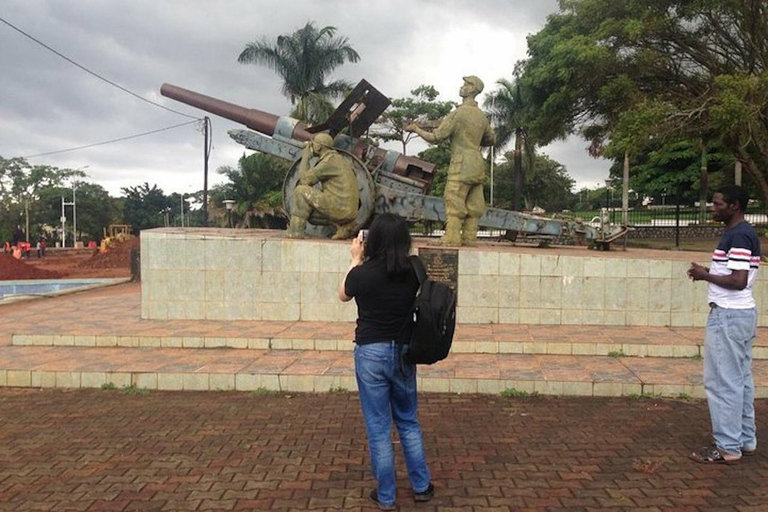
[229,274]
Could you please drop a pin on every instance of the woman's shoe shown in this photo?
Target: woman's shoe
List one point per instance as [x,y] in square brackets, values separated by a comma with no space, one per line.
[425,495]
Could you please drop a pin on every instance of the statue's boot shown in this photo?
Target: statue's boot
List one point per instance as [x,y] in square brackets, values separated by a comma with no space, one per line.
[469,232]
[297,228]
[452,236]
[345,231]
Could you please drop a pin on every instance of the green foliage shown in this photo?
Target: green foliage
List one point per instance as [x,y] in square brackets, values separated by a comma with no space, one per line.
[628,74]
[133,390]
[672,167]
[256,187]
[422,108]
[617,353]
[108,386]
[338,389]
[547,184]
[517,393]
[145,207]
[510,117]
[22,186]
[303,60]
[440,155]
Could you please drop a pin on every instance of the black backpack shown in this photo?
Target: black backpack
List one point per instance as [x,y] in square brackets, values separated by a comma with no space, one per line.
[433,319]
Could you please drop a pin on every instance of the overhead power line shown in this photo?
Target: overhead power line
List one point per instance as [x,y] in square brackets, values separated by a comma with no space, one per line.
[110,82]
[113,140]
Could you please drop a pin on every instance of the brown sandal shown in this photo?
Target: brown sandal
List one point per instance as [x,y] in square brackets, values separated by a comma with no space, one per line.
[712,455]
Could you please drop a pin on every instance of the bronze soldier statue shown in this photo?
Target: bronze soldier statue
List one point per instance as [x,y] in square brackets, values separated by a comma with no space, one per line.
[468,129]
[337,201]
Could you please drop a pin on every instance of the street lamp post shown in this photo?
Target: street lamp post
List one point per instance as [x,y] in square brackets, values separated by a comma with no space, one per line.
[229,204]
[74,209]
[609,190]
[74,215]
[64,223]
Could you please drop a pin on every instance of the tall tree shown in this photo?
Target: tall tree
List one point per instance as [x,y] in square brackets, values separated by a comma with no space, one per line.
[20,186]
[507,109]
[547,185]
[145,207]
[422,107]
[696,70]
[256,187]
[303,60]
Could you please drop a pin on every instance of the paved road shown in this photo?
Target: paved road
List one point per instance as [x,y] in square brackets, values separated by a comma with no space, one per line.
[109,450]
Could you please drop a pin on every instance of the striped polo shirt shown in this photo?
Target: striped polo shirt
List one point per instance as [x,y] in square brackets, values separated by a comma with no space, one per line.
[738,249]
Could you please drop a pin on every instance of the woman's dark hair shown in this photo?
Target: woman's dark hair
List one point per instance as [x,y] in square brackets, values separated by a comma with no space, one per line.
[389,240]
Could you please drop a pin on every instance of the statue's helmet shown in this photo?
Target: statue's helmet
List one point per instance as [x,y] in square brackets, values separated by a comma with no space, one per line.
[475,82]
[323,139]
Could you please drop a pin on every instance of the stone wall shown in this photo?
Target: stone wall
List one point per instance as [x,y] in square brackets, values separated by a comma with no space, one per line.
[257,275]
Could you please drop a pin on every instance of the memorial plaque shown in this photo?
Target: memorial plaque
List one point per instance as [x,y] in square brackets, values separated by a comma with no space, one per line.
[442,265]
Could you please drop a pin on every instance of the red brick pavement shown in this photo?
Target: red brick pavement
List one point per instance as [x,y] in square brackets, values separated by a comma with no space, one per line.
[106,450]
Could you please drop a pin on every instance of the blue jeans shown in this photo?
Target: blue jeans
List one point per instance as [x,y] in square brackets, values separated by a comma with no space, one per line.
[728,377]
[387,393]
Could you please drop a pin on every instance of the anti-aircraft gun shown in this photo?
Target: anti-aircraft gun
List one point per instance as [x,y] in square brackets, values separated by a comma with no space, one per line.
[388,181]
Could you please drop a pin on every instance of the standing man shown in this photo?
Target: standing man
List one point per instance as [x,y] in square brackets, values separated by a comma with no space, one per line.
[731,329]
[339,197]
[468,129]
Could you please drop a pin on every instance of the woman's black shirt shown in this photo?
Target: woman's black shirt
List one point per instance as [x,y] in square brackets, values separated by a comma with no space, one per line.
[383,304]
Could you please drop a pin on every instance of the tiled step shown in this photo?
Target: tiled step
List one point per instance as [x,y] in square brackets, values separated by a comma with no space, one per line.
[469,339]
[323,371]
[97,338]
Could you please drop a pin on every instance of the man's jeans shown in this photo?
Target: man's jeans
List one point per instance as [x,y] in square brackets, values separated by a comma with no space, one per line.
[386,392]
[728,377]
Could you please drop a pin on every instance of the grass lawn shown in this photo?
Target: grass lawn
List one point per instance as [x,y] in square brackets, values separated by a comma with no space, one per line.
[707,244]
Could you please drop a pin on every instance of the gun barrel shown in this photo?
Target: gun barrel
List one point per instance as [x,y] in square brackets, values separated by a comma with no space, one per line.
[262,122]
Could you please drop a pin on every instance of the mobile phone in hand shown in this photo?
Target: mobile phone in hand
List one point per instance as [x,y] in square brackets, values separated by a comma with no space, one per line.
[362,235]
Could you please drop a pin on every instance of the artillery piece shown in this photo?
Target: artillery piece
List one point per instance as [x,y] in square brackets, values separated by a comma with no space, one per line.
[388,181]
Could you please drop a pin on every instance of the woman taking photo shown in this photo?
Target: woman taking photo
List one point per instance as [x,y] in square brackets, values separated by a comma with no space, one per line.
[384,285]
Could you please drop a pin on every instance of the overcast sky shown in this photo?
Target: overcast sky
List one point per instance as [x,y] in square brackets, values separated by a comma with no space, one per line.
[48,104]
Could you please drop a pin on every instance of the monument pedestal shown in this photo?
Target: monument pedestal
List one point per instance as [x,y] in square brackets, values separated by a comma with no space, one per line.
[227,274]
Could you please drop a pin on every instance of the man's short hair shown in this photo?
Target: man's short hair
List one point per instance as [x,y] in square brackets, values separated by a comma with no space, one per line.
[734,193]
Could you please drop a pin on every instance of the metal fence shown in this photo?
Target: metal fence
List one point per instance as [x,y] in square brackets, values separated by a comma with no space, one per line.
[671,216]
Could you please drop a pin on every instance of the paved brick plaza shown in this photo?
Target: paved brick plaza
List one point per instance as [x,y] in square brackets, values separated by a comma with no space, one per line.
[103,450]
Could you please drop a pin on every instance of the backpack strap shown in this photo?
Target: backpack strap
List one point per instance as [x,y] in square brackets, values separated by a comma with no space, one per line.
[418,268]
[421,275]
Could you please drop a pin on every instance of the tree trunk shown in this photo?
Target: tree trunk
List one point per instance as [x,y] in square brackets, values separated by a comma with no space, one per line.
[757,175]
[519,177]
[625,191]
[703,189]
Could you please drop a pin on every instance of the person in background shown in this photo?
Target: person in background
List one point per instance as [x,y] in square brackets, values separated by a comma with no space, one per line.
[731,330]
[384,285]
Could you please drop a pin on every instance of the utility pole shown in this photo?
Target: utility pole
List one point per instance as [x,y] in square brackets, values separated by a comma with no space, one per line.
[26,212]
[206,155]
[74,216]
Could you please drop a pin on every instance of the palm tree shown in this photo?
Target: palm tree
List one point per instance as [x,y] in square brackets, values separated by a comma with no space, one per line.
[303,60]
[507,109]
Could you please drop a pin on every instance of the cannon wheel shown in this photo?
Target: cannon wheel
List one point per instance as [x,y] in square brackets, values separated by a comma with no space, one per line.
[319,227]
